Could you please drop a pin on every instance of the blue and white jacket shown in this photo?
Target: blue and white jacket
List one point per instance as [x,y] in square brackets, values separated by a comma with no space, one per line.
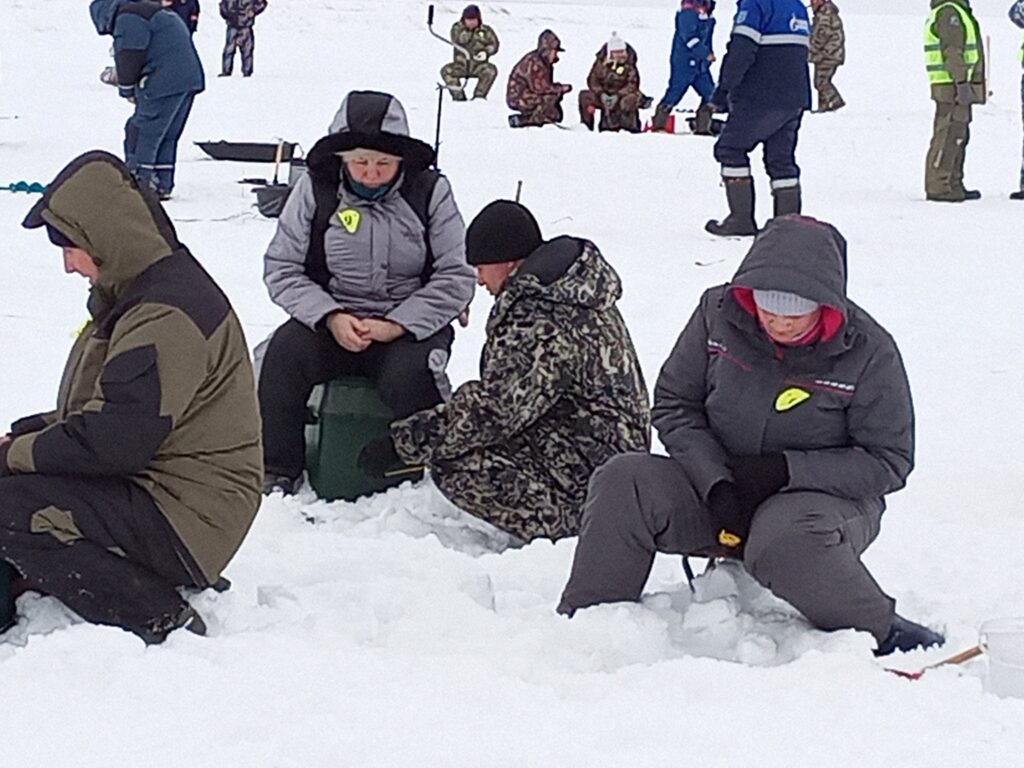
[689,46]
[765,64]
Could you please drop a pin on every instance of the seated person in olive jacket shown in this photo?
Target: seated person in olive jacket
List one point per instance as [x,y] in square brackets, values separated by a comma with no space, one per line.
[147,475]
[787,416]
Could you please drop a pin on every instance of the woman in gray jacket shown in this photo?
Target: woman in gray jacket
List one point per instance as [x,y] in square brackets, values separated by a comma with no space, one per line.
[787,417]
[369,259]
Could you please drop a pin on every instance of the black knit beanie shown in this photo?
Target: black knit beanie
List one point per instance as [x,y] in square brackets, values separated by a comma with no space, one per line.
[502,231]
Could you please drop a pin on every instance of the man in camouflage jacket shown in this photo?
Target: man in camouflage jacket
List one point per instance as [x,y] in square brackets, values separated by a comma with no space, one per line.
[613,88]
[240,16]
[560,389]
[470,35]
[532,91]
[827,53]
[146,476]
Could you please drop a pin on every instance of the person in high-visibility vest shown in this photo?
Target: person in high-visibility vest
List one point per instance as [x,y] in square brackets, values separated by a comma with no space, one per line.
[955,62]
[1017,17]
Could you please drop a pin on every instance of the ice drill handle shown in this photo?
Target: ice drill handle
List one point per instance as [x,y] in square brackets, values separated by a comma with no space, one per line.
[430,15]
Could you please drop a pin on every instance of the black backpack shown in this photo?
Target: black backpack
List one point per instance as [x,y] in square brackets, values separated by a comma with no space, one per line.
[417,190]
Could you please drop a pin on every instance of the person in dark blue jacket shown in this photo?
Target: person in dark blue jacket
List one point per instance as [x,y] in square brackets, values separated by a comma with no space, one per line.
[158,70]
[691,59]
[765,86]
[187,9]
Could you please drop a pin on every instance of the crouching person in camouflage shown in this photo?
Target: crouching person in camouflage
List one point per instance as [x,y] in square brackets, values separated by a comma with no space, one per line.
[147,475]
[560,389]
[787,417]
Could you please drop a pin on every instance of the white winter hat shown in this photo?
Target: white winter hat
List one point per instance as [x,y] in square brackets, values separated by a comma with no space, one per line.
[783,303]
[616,43]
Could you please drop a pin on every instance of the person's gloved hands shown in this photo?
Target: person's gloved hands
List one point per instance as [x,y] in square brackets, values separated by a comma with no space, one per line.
[964,93]
[564,87]
[719,102]
[480,56]
[758,477]
[378,456]
[609,100]
[731,522]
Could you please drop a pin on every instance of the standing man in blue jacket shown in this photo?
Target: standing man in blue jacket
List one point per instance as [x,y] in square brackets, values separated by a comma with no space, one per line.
[765,86]
[158,70]
[691,59]
[1017,17]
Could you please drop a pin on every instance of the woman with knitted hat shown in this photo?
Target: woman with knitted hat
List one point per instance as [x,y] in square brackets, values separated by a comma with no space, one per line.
[787,417]
[369,261]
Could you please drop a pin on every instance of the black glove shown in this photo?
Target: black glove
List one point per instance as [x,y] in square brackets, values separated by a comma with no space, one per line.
[757,478]
[732,522]
[719,101]
[964,93]
[378,456]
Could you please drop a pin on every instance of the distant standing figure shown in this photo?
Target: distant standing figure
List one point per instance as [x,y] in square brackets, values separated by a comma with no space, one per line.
[188,10]
[471,35]
[1017,16]
[532,90]
[955,61]
[690,62]
[240,16]
[827,54]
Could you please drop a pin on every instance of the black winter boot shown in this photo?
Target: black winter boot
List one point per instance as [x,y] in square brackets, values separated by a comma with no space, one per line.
[1017,195]
[905,635]
[740,222]
[787,200]
[660,119]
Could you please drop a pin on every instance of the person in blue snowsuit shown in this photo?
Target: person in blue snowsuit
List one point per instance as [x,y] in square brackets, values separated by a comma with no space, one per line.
[765,86]
[1017,17]
[158,70]
[690,61]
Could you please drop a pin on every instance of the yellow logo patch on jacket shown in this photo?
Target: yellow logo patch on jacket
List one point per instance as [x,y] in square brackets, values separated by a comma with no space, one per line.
[350,219]
[791,398]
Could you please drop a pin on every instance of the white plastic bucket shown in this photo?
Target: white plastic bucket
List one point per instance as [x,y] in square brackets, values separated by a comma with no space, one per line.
[1002,640]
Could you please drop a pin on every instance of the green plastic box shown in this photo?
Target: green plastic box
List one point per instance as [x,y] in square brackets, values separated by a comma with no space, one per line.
[346,414]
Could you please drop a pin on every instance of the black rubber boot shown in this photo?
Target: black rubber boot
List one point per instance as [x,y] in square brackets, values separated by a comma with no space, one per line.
[905,635]
[740,221]
[787,200]
[660,119]
[702,122]
[1017,195]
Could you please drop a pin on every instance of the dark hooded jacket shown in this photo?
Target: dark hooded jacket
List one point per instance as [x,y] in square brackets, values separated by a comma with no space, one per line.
[560,386]
[839,409]
[158,387]
[153,49]
[532,80]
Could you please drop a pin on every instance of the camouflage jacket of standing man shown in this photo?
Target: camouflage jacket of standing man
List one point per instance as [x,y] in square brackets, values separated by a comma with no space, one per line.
[240,14]
[560,390]
[476,41]
[828,41]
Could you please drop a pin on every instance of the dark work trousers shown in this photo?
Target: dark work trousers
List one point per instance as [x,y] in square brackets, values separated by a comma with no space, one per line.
[406,373]
[99,545]
[803,546]
[242,39]
[775,129]
[151,139]
[951,132]
[683,78]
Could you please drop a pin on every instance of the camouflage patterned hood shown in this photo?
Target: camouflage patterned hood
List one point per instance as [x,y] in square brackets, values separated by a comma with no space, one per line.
[565,271]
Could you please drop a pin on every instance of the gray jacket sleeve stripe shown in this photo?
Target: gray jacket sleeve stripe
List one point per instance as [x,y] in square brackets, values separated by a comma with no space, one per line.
[284,266]
[881,426]
[452,282]
[678,414]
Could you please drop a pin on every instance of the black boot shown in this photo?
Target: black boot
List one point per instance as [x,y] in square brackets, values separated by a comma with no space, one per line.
[702,122]
[905,635]
[740,222]
[1017,195]
[787,200]
[660,120]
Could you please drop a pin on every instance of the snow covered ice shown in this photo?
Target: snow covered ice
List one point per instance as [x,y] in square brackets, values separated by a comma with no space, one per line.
[395,631]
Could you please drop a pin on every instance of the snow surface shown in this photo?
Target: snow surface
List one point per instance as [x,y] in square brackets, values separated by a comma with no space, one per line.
[395,631]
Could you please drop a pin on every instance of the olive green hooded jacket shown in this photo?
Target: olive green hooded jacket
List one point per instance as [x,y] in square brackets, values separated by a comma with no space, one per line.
[158,387]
